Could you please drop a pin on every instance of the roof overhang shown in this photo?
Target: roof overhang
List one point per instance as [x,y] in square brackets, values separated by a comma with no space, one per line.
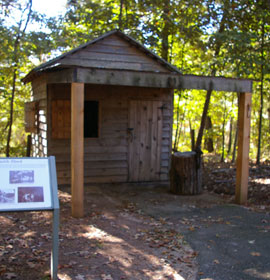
[147,79]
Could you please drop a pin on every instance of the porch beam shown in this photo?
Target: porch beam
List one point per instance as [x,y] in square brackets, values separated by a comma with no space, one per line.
[148,79]
[77,149]
[242,164]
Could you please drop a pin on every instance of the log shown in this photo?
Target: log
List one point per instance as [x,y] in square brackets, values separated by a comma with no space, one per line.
[186,173]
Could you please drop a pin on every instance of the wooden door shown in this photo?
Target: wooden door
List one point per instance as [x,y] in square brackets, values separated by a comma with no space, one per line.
[145,136]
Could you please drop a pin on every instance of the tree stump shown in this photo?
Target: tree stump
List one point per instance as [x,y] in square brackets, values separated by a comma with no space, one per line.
[186,173]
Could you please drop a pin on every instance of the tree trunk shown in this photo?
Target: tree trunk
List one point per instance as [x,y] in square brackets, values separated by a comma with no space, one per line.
[231,131]
[11,111]
[165,31]
[175,145]
[223,132]
[223,141]
[192,136]
[208,142]
[15,69]
[203,119]
[236,134]
[185,174]
[230,137]
[235,144]
[261,94]
[213,73]
[180,124]
[120,14]
[260,127]
[268,110]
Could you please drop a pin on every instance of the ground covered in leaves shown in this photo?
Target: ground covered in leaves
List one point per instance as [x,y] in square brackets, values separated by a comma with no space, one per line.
[115,239]
[220,178]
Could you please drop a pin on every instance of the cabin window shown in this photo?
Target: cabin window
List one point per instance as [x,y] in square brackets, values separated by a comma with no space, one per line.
[61,119]
[91,119]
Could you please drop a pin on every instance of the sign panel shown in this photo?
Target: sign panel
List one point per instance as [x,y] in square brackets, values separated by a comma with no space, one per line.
[25,184]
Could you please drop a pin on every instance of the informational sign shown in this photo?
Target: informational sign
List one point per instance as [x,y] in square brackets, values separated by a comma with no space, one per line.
[25,184]
[30,184]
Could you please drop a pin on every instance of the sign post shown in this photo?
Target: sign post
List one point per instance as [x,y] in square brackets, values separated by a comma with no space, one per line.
[30,184]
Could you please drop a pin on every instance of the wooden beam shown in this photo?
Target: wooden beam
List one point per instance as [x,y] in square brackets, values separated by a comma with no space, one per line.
[214,83]
[77,149]
[242,164]
[148,79]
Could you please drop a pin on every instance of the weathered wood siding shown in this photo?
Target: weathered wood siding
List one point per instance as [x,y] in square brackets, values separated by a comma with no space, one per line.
[113,52]
[39,139]
[106,157]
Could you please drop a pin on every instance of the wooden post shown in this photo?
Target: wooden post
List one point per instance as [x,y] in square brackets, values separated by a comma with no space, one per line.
[77,149]
[242,164]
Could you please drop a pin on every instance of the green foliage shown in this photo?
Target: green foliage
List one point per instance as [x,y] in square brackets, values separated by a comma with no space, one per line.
[224,38]
[18,47]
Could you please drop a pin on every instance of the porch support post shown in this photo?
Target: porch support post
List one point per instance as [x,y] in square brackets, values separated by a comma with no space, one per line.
[77,149]
[242,164]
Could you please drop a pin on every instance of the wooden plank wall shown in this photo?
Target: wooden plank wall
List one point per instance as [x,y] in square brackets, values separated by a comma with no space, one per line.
[106,157]
[113,52]
[39,139]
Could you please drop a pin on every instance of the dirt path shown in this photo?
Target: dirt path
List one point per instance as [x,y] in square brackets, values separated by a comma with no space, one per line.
[115,240]
[138,231]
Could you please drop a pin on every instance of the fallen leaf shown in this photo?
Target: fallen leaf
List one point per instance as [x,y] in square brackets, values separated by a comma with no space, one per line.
[3,269]
[255,254]
[185,260]
[106,277]
[84,253]
[61,266]
[191,228]
[31,264]
[71,263]
[79,277]
[10,275]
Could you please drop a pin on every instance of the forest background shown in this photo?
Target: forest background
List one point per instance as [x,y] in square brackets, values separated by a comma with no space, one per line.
[229,38]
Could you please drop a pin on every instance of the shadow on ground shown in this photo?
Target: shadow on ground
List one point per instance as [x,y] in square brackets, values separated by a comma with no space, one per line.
[139,231]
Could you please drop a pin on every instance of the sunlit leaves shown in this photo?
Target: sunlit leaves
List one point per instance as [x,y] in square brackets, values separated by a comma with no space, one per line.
[16,49]
[199,37]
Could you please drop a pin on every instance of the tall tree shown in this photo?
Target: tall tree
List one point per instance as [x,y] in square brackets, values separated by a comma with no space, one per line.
[263,6]
[216,47]
[249,46]
[22,25]
[19,47]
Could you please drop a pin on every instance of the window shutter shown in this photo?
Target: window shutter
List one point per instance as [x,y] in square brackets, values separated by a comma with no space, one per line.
[31,117]
[61,119]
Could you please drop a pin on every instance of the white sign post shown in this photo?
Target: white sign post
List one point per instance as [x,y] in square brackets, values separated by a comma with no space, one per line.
[30,184]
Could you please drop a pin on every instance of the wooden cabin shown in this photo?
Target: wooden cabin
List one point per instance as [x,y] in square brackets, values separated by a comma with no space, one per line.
[105,111]
[127,116]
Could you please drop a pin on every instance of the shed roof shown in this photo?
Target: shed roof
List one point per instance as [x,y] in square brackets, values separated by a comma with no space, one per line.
[113,50]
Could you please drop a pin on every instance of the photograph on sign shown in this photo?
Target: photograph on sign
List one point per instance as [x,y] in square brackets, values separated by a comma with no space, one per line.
[21,176]
[30,194]
[25,184]
[7,196]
